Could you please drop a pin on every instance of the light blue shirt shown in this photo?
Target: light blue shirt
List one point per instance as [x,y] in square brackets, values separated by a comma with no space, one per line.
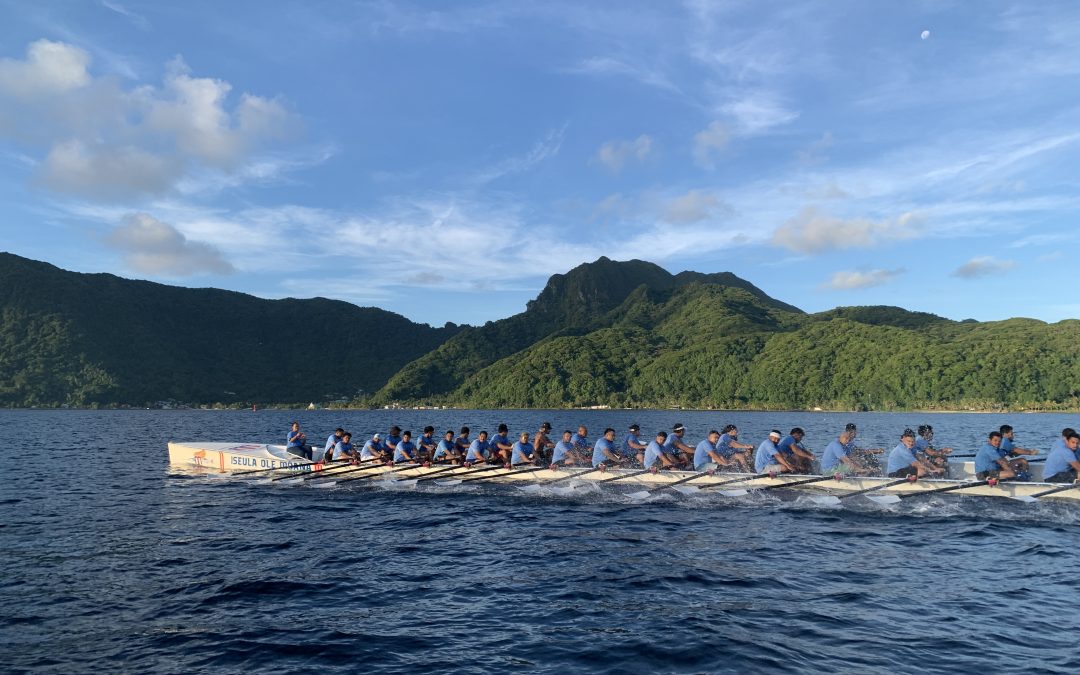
[788,444]
[370,448]
[899,458]
[986,459]
[405,452]
[331,442]
[652,454]
[1007,447]
[1058,460]
[834,452]
[723,446]
[598,456]
[293,439]
[669,443]
[627,449]
[765,455]
[498,439]
[580,442]
[444,449]
[462,443]
[427,442]
[341,450]
[478,451]
[1059,443]
[921,445]
[391,442]
[521,453]
[562,448]
[701,453]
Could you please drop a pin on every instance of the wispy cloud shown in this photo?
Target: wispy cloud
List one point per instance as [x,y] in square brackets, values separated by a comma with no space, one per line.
[983,266]
[709,143]
[812,231]
[816,152]
[858,279]
[152,247]
[544,148]
[615,154]
[695,206]
[138,20]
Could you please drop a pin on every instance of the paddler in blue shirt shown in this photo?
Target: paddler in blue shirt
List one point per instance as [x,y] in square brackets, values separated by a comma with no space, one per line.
[706,457]
[331,442]
[343,449]
[462,441]
[478,451]
[581,441]
[1065,433]
[904,462]
[605,452]
[732,450]
[988,460]
[296,442]
[1063,462]
[374,449]
[795,452]
[676,448]
[522,451]
[565,454]
[1009,450]
[501,446]
[656,453]
[392,439]
[632,447]
[769,459]
[406,450]
[426,443]
[836,457]
[542,445]
[924,448]
[446,451]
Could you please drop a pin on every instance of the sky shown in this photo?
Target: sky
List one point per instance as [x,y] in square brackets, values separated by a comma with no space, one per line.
[442,160]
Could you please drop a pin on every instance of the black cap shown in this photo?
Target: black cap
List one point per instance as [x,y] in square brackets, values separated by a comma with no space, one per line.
[634,427]
[850,426]
[678,427]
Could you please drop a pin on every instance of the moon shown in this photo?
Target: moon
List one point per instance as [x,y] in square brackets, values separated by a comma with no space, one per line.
[925,34]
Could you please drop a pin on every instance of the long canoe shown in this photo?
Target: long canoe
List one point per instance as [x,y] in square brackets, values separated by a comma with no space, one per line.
[229,457]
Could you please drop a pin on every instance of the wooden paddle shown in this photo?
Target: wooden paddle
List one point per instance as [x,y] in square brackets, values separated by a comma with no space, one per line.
[1035,497]
[283,467]
[376,474]
[570,477]
[508,473]
[438,471]
[317,473]
[333,471]
[734,480]
[625,476]
[893,499]
[833,499]
[645,494]
[817,479]
[469,470]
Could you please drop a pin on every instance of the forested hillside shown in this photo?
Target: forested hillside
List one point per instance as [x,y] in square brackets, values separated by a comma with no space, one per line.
[86,339]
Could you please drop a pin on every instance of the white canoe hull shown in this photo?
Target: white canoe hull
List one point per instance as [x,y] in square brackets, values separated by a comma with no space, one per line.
[230,457]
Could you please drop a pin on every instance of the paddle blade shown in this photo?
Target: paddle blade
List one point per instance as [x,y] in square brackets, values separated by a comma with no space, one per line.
[638,496]
[564,490]
[686,489]
[1027,499]
[530,488]
[449,482]
[290,481]
[825,500]
[734,493]
[325,484]
[884,499]
[404,483]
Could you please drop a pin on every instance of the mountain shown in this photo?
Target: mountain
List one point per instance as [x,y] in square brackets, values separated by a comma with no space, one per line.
[85,339]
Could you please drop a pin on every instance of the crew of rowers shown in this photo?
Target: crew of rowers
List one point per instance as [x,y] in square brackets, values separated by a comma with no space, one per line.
[915,455]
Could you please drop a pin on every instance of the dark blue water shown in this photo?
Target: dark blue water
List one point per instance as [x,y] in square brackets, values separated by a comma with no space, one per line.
[113,561]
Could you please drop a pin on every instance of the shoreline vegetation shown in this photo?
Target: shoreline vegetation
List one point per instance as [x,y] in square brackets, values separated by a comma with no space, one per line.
[605,335]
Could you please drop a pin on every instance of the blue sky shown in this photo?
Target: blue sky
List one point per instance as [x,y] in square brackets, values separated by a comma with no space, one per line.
[441,160]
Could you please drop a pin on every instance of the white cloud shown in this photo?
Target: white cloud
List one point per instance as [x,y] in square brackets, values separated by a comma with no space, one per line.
[138,20]
[693,207]
[815,153]
[152,247]
[615,154]
[983,266]
[814,232]
[104,171]
[546,147]
[609,65]
[710,142]
[757,112]
[850,280]
[50,68]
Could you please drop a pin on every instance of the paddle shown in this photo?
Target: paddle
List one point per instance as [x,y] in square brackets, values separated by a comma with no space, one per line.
[626,475]
[283,467]
[349,468]
[316,473]
[693,488]
[817,479]
[376,474]
[470,469]
[645,494]
[1035,497]
[893,499]
[833,499]
[570,477]
[508,473]
[435,472]
[534,487]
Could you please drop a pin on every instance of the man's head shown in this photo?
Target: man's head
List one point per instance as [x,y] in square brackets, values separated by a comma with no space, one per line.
[995,438]
[908,438]
[609,434]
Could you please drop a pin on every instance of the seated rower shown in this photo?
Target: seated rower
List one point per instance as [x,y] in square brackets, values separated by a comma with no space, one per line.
[769,458]
[374,450]
[989,463]
[406,450]
[331,442]
[732,450]
[657,454]
[924,448]
[564,453]
[462,442]
[522,452]
[1063,462]
[706,456]
[795,452]
[1061,441]
[542,445]
[837,457]
[392,439]
[581,441]
[296,442]
[677,449]
[632,447]
[479,450]
[863,456]
[904,462]
[343,449]
[1008,447]
[605,452]
[446,451]
[500,445]
[426,444]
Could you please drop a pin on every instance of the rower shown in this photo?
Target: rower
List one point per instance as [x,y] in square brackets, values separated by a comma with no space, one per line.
[522,452]
[706,457]
[864,456]
[1063,462]
[479,450]
[581,441]
[462,441]
[677,449]
[989,462]
[632,447]
[427,443]
[1065,433]
[605,452]
[924,445]
[904,462]
[500,444]
[296,442]
[837,457]
[564,453]
[374,449]
[392,439]
[1008,446]
[542,445]
[406,450]
[446,451]
[656,453]
[331,442]
[343,449]
[769,458]
[795,452]
[729,446]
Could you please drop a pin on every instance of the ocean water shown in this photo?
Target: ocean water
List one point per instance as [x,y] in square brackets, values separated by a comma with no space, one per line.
[113,561]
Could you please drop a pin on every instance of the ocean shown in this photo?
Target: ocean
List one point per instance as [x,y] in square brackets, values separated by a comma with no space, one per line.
[114,561]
